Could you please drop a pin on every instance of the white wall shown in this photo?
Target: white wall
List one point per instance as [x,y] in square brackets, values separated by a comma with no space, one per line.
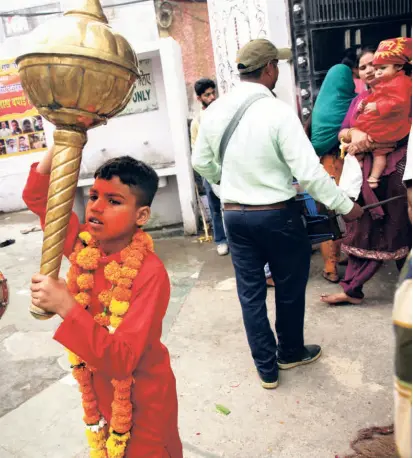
[137,23]
[13,174]
[234,23]
[177,102]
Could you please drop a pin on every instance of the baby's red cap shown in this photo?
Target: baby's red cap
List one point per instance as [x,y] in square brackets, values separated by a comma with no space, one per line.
[394,51]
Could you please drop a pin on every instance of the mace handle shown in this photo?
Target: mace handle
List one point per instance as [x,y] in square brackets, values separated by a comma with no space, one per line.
[62,189]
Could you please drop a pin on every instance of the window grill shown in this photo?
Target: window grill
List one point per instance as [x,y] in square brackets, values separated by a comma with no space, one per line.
[322,11]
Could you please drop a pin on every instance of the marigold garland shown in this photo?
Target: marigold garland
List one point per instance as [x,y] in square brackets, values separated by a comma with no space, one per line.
[127,272]
[125,282]
[105,297]
[88,258]
[103,319]
[118,308]
[85,237]
[121,294]
[105,442]
[83,299]
[85,281]
[115,322]
[113,272]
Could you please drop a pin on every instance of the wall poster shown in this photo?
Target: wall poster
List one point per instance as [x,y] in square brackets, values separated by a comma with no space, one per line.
[21,126]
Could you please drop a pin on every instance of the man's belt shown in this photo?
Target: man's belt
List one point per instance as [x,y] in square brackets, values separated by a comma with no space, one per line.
[239,207]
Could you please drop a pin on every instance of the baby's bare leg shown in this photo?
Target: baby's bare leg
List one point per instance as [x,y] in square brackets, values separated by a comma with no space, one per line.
[379,164]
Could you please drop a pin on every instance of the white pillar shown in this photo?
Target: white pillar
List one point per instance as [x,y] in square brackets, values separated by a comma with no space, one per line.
[177,103]
[234,23]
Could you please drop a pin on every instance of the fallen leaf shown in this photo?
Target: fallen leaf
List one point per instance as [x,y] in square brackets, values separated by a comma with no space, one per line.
[222,409]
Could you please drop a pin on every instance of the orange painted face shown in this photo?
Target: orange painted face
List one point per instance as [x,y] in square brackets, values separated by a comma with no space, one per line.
[113,213]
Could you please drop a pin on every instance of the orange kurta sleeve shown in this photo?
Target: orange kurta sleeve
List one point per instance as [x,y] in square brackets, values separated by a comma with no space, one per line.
[117,355]
[35,197]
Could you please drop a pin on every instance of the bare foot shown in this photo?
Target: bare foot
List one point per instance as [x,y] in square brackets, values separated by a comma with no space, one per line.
[340,298]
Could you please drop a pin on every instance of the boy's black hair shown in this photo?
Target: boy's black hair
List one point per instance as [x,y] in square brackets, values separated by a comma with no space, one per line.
[203,85]
[139,176]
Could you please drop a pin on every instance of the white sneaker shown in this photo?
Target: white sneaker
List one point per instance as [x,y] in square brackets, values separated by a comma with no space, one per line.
[223,249]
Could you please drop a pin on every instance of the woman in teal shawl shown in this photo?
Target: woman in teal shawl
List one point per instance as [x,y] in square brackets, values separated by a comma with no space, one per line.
[330,109]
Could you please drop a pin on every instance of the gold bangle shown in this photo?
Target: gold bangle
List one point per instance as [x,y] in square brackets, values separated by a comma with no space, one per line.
[348,135]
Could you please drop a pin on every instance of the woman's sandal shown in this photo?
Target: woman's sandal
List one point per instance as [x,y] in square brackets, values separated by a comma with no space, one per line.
[331,277]
[373,182]
[340,299]
[270,282]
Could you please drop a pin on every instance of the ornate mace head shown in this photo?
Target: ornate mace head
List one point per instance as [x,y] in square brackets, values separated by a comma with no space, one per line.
[77,71]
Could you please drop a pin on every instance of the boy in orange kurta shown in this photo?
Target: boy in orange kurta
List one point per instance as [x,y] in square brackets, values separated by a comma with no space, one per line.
[112,308]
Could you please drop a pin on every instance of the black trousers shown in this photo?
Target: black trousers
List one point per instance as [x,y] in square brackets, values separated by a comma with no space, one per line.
[279,238]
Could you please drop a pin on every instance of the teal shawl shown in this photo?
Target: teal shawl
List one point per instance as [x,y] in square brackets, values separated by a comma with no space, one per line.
[330,109]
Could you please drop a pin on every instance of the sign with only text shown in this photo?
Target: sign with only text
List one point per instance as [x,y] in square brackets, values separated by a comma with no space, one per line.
[144,94]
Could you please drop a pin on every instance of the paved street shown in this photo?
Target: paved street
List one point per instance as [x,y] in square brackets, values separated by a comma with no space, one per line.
[315,412]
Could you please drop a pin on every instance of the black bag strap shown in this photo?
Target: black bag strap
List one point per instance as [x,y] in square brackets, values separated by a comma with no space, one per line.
[234,123]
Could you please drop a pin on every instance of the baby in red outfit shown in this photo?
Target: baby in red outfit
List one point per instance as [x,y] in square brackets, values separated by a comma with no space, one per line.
[385,115]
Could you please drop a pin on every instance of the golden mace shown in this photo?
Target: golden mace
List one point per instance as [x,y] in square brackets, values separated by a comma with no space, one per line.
[78,73]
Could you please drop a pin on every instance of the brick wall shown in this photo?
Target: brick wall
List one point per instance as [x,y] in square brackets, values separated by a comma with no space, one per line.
[190,28]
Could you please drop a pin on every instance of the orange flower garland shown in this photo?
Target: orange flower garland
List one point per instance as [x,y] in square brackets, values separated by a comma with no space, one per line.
[105,442]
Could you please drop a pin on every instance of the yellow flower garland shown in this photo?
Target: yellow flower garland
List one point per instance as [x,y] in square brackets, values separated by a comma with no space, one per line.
[106,442]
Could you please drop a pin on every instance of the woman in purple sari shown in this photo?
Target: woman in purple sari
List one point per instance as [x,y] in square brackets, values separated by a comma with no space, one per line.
[384,233]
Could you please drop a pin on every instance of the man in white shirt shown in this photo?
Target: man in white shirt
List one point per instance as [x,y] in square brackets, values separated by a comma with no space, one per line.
[4,129]
[268,147]
[11,146]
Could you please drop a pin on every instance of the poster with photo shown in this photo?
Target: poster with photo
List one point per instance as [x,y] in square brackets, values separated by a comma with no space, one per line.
[21,126]
[144,94]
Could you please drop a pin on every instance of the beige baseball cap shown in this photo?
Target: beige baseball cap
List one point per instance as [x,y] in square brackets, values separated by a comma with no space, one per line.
[257,53]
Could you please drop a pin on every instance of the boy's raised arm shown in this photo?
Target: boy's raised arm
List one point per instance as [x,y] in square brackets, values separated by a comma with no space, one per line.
[45,165]
[117,355]
[35,197]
